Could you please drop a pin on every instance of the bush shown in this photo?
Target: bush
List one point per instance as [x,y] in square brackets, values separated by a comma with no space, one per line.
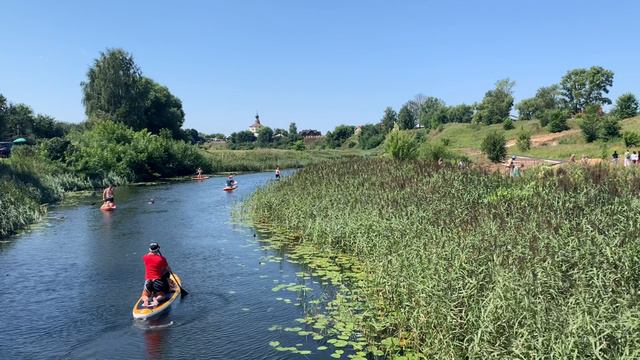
[401,145]
[507,124]
[590,125]
[609,128]
[298,145]
[631,138]
[434,151]
[494,146]
[556,120]
[524,140]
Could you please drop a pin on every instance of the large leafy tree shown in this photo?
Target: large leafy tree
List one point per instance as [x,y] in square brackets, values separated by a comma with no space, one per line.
[546,98]
[433,112]
[115,89]
[406,118]
[583,87]
[242,137]
[389,119]
[496,104]
[462,113]
[339,135]
[265,135]
[293,132]
[626,106]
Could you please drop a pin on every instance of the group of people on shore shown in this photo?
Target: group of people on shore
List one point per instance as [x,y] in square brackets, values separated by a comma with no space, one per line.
[630,158]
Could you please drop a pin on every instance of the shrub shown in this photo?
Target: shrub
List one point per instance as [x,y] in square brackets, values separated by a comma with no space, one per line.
[631,138]
[556,120]
[401,145]
[524,140]
[298,145]
[609,128]
[590,125]
[507,124]
[494,146]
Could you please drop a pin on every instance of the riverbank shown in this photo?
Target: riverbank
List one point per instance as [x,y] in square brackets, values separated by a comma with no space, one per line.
[470,264]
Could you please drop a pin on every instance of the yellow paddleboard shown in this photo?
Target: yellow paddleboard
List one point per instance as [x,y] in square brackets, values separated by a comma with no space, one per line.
[141,312]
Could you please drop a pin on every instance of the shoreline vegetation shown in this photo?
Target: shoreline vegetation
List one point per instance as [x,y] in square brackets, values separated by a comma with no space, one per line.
[472,264]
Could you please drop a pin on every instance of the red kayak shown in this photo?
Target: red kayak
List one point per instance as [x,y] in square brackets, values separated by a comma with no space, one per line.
[227,188]
[200,177]
[108,206]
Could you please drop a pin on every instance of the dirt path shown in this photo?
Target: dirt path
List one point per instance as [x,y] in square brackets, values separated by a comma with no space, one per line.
[550,139]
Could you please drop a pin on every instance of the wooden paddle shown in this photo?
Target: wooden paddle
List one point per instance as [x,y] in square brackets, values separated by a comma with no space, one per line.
[183,292]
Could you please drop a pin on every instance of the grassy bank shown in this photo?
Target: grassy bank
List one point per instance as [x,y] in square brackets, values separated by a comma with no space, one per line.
[468,264]
[27,182]
[268,159]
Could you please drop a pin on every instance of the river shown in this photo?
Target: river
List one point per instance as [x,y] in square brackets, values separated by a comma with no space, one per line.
[70,282]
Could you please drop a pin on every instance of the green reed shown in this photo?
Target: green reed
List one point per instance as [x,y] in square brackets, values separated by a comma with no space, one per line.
[467,264]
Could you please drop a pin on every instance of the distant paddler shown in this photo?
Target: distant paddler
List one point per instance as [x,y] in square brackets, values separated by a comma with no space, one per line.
[277,172]
[156,275]
[199,172]
[231,182]
[107,194]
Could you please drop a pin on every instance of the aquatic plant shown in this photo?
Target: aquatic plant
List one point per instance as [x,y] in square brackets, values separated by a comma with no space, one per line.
[462,264]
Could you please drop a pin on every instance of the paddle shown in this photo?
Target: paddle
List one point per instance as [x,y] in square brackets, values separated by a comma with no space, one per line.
[183,292]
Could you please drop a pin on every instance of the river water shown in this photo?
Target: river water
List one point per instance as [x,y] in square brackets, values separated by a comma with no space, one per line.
[69,283]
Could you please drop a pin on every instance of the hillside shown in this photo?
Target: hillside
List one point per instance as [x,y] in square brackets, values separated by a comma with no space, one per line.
[466,138]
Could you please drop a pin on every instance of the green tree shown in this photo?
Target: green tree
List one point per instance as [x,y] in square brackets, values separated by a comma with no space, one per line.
[4,114]
[555,120]
[496,104]
[162,110]
[507,124]
[546,98]
[293,132]
[114,89]
[46,127]
[626,106]
[389,119]
[433,112]
[406,119]
[462,113]
[19,121]
[339,135]
[609,128]
[244,136]
[494,146]
[370,136]
[590,124]
[583,87]
[631,138]
[524,140]
[265,136]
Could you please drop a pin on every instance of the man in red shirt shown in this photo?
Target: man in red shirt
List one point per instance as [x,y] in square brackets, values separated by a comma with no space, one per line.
[156,275]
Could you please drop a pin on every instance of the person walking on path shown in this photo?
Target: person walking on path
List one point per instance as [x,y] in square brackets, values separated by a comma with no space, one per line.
[614,157]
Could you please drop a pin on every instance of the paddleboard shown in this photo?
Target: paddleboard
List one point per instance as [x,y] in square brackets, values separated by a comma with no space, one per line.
[200,177]
[141,312]
[108,207]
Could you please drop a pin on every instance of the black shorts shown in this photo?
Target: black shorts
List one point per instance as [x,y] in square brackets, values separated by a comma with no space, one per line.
[108,199]
[158,285]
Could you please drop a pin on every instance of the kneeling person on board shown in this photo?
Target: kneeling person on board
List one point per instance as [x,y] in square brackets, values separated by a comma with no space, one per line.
[230,181]
[156,275]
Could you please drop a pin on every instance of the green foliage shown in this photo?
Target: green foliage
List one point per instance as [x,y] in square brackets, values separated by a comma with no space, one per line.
[432,112]
[110,147]
[631,138]
[590,124]
[546,98]
[463,264]
[55,148]
[370,136]
[339,135]
[556,120]
[583,87]
[523,140]
[496,104]
[298,145]
[494,146]
[406,119]
[116,90]
[389,119]
[293,133]
[626,106]
[609,128]
[265,135]
[401,145]
[462,113]
[244,136]
[507,124]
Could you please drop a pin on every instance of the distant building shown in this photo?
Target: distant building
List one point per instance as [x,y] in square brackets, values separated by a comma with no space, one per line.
[255,127]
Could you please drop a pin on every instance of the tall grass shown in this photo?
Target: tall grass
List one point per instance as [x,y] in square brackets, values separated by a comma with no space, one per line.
[466,264]
[268,159]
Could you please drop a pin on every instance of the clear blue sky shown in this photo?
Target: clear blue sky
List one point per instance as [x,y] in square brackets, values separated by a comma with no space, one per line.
[319,63]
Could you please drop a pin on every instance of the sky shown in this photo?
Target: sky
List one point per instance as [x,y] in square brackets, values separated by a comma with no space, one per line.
[316,63]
